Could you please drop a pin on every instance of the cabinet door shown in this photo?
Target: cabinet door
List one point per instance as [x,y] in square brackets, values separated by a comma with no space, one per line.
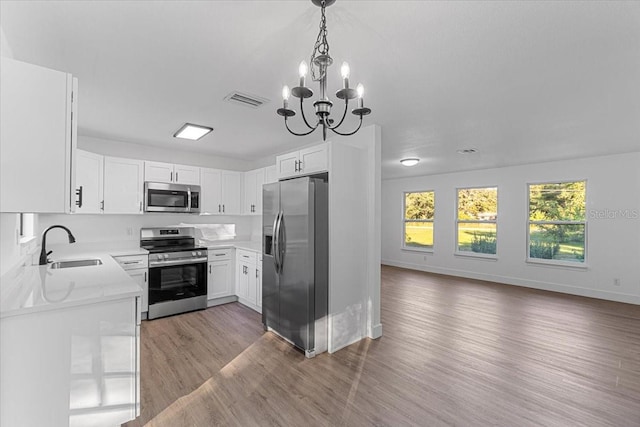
[249,200]
[89,189]
[260,178]
[231,192]
[186,174]
[37,138]
[123,185]
[252,284]
[314,159]
[242,280]
[142,279]
[158,172]
[286,165]
[211,191]
[219,280]
[270,174]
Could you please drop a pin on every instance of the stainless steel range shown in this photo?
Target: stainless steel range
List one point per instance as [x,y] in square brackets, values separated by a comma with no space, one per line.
[177,271]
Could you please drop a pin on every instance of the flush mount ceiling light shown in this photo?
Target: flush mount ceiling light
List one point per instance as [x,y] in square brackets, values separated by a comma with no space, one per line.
[192,132]
[412,161]
[320,61]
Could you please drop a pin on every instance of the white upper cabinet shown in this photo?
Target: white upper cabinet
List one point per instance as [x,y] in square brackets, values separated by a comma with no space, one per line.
[220,192]
[123,185]
[37,138]
[303,162]
[270,174]
[252,201]
[89,182]
[170,173]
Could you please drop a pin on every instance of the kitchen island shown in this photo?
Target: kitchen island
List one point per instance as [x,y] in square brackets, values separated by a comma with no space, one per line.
[70,345]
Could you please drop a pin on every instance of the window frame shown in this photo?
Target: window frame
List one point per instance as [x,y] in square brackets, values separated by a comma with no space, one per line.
[555,262]
[403,246]
[457,222]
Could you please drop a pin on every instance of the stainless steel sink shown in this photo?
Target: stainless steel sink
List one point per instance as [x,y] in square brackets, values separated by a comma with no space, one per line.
[76,263]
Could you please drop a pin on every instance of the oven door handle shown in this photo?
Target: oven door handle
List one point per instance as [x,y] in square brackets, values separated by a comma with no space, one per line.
[178,262]
[188,197]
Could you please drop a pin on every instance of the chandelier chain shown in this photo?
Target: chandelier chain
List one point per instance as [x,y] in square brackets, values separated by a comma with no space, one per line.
[321,47]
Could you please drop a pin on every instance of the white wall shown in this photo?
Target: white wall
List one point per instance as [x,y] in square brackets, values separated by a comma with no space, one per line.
[126,228]
[110,147]
[613,242]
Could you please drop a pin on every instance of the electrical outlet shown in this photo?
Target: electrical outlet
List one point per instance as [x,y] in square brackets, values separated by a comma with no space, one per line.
[616,282]
[425,257]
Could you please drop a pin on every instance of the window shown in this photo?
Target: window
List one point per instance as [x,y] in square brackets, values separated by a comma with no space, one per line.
[557,223]
[477,226]
[27,225]
[419,210]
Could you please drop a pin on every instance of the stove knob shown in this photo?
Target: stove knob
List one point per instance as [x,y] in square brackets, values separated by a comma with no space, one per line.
[165,256]
[199,253]
[193,254]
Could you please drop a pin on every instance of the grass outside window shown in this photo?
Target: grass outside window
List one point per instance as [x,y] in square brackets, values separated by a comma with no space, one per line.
[419,213]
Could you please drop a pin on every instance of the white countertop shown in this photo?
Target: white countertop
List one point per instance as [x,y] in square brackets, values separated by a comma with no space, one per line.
[250,245]
[35,288]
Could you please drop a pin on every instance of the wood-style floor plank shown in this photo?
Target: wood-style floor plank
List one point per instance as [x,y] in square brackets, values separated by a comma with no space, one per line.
[455,352]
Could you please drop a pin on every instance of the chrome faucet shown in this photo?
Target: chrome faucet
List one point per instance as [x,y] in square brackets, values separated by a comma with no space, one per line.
[43,251]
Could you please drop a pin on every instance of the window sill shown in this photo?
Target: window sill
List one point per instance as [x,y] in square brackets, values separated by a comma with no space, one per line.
[556,264]
[421,250]
[475,255]
[28,245]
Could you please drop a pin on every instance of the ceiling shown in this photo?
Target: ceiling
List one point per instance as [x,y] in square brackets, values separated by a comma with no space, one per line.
[521,82]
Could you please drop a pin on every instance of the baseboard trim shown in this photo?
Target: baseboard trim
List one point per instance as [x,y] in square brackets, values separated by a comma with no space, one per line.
[515,281]
[376,331]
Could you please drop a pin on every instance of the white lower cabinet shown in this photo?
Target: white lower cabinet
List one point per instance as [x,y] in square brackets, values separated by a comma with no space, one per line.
[248,279]
[220,279]
[137,267]
[73,366]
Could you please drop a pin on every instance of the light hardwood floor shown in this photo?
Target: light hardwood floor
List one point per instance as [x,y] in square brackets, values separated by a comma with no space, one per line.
[454,352]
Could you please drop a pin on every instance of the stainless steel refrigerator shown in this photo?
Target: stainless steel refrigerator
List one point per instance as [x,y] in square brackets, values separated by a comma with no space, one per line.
[295,247]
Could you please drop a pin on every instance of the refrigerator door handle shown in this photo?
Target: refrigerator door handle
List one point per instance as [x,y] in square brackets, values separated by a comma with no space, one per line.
[275,243]
[282,241]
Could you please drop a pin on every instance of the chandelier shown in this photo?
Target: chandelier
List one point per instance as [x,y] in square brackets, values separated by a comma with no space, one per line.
[320,61]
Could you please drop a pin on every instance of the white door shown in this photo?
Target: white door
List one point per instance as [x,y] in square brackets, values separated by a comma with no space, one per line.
[242,280]
[211,191]
[249,200]
[36,145]
[141,277]
[186,174]
[123,185]
[231,192]
[158,172]
[219,280]
[314,159]
[89,188]
[287,165]
[260,180]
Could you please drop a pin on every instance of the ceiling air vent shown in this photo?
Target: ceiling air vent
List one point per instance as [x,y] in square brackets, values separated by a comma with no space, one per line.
[247,100]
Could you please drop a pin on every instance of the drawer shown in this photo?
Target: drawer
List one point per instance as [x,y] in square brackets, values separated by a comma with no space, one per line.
[246,256]
[219,254]
[131,262]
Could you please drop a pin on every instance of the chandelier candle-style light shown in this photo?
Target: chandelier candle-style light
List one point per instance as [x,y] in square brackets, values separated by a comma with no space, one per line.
[320,61]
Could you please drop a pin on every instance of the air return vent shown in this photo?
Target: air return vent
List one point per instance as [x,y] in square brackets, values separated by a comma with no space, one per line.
[245,99]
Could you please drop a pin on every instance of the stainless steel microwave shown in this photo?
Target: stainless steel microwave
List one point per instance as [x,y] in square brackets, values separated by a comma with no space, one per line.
[162,197]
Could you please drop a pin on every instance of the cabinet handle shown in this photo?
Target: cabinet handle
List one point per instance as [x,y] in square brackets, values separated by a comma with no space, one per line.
[140,206]
[102,205]
[300,166]
[256,273]
[79,194]
[223,208]
[219,254]
[296,167]
[171,177]
[219,208]
[176,176]
[209,268]
[145,277]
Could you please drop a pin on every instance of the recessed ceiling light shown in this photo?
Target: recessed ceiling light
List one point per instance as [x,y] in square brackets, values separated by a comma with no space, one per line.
[192,132]
[467,151]
[412,161]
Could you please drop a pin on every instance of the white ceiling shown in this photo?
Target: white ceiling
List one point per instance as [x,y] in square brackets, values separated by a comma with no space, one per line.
[522,82]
